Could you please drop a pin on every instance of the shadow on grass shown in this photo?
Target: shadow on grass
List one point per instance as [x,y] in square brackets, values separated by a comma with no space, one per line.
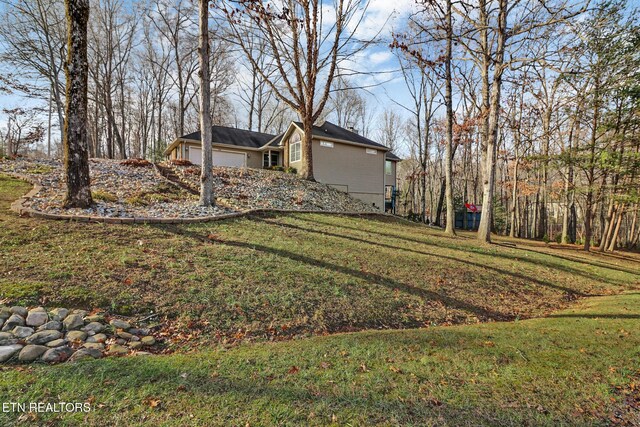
[480,312]
[242,393]
[546,263]
[596,316]
[435,255]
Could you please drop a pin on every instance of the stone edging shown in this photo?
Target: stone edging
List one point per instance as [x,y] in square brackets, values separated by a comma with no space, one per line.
[20,209]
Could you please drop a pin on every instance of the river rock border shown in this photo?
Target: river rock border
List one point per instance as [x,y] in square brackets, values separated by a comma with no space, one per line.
[61,335]
[20,209]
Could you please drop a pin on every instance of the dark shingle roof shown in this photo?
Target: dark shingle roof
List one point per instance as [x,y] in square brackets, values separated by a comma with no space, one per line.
[392,157]
[233,136]
[329,130]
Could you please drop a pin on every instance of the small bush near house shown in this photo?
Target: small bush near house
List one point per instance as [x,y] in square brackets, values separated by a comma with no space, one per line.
[276,168]
[140,163]
[291,170]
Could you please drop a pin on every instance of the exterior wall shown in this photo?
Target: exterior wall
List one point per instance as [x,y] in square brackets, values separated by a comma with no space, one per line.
[254,158]
[350,166]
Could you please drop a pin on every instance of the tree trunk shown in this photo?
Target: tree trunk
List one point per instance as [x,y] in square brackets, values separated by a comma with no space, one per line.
[616,232]
[514,196]
[489,163]
[76,159]
[206,178]
[450,224]
[307,148]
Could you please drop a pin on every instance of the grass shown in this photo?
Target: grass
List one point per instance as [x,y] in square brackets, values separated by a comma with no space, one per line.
[283,276]
[558,371]
[278,276]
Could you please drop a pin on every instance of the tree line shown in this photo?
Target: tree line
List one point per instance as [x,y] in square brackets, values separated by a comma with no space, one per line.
[528,110]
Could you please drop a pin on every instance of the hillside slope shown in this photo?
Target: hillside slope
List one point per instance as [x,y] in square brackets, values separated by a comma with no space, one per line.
[278,276]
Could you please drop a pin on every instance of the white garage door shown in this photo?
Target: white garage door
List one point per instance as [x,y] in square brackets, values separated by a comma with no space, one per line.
[195,155]
[220,158]
[226,158]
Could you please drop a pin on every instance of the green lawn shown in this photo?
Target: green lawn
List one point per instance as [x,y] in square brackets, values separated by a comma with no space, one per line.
[561,370]
[277,276]
[294,275]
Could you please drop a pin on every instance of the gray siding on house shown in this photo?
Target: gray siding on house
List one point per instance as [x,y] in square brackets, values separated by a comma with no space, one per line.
[349,166]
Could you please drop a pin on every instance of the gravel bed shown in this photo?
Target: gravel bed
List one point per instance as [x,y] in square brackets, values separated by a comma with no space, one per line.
[122,191]
[246,188]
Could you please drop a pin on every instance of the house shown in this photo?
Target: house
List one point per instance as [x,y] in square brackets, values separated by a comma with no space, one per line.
[342,158]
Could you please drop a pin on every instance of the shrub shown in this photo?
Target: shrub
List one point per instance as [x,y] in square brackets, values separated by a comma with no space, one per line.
[40,170]
[276,168]
[291,170]
[546,238]
[139,163]
[180,162]
[105,196]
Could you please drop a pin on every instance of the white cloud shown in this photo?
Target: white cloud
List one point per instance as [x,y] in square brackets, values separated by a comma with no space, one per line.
[381,57]
[382,16]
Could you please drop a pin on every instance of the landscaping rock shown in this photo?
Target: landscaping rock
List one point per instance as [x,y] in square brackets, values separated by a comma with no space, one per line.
[57,355]
[125,335]
[94,345]
[44,337]
[37,317]
[59,314]
[12,322]
[22,332]
[97,338]
[57,343]
[148,340]
[85,353]
[120,324]
[5,312]
[94,327]
[7,338]
[8,351]
[74,336]
[20,311]
[118,350]
[73,321]
[32,352]
[53,337]
[94,318]
[53,325]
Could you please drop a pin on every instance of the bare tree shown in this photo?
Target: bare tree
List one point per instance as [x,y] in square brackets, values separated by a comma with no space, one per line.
[76,159]
[32,33]
[306,55]
[391,124]
[206,179]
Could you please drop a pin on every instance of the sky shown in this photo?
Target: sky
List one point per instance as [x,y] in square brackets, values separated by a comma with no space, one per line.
[381,18]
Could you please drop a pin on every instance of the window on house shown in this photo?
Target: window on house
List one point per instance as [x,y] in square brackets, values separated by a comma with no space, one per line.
[388,167]
[270,159]
[295,151]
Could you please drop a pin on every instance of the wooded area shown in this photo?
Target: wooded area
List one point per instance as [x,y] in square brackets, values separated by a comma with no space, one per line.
[529,110]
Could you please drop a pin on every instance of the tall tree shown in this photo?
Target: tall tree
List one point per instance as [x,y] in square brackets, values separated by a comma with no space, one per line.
[306,51]
[448,100]
[206,179]
[76,159]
